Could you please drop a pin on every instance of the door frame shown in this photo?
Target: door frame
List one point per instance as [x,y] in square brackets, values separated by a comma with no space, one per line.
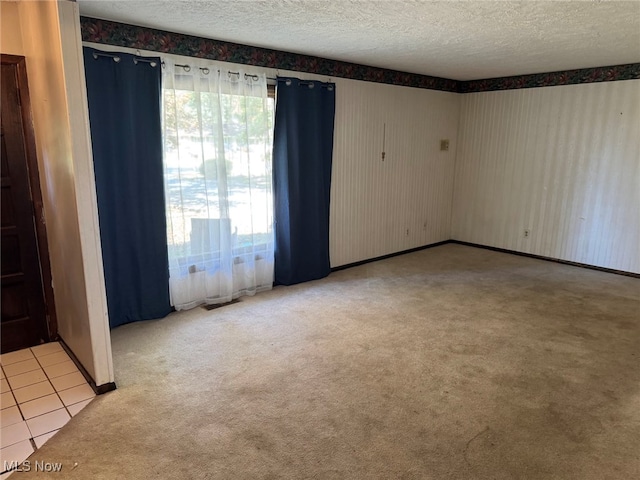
[36,193]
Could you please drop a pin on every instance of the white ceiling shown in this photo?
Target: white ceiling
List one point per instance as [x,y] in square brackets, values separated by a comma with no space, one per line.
[460,40]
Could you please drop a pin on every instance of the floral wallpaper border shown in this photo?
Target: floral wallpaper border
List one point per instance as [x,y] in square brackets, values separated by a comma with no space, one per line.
[613,73]
[143,38]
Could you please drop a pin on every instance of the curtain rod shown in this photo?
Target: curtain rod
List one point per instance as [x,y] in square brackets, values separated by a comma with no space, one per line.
[206,71]
[187,68]
[116,58]
[139,58]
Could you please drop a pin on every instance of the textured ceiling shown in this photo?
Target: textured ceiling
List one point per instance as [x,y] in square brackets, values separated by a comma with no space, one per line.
[459,40]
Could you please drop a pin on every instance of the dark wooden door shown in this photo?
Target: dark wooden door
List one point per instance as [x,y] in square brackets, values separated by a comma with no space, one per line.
[24,315]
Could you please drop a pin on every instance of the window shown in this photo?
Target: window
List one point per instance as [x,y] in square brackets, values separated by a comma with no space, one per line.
[218,131]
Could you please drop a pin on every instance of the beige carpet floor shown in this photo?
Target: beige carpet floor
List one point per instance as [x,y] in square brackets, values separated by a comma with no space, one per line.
[449,363]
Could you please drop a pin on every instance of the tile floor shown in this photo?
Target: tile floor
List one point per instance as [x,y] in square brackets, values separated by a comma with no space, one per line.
[41,390]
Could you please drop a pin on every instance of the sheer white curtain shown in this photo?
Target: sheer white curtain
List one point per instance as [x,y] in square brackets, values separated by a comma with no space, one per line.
[217,156]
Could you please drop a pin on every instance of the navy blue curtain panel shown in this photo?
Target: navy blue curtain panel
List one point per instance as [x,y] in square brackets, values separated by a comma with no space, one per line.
[124,112]
[302,155]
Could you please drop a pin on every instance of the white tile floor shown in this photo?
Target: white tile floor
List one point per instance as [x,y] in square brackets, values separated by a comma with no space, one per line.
[41,390]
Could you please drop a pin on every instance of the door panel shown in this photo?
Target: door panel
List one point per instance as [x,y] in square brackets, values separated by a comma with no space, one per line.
[24,321]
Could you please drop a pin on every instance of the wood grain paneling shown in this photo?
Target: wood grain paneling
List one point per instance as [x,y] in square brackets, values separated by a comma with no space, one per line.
[562,162]
[381,207]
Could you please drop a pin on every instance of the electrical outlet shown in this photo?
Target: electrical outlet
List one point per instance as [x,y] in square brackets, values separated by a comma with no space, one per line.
[407,232]
[444,145]
[527,232]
